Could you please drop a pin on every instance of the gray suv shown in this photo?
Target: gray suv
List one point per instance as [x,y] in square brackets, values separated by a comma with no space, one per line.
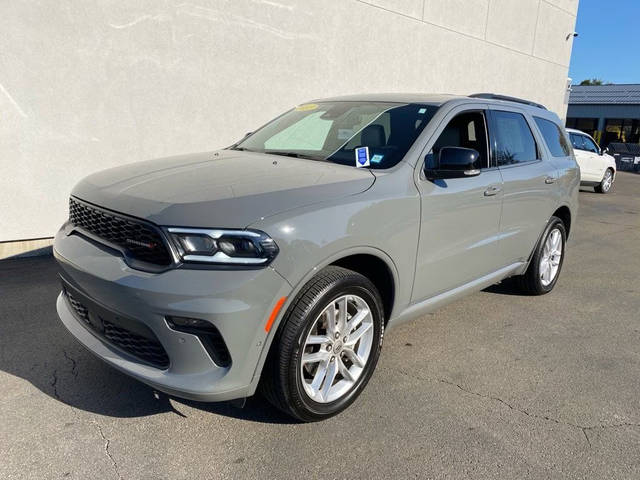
[277,263]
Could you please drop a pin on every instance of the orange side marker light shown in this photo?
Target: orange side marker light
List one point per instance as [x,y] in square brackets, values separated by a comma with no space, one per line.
[274,314]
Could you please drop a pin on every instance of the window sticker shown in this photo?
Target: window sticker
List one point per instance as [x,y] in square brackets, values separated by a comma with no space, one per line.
[422,110]
[306,107]
[362,157]
[377,158]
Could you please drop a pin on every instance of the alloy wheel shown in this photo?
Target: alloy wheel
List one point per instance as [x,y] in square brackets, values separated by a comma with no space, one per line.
[551,257]
[337,348]
[608,181]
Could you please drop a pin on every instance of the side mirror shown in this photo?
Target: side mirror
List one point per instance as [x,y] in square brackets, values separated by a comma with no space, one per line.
[455,162]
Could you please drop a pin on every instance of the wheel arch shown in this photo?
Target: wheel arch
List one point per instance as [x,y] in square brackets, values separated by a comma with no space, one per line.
[359,259]
[613,169]
[376,270]
[564,214]
[371,262]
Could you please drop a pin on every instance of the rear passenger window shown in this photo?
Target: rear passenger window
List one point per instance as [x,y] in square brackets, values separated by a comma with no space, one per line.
[514,142]
[577,142]
[554,137]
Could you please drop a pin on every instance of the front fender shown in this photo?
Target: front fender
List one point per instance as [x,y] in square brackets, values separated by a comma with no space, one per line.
[302,282]
[380,222]
[310,238]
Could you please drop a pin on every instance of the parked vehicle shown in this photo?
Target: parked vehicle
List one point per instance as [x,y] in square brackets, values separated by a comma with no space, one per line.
[597,168]
[626,155]
[279,262]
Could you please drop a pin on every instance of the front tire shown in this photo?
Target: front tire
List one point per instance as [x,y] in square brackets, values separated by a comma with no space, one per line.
[327,347]
[607,182]
[546,263]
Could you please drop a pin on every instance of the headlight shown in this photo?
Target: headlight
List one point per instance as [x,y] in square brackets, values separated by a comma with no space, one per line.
[224,247]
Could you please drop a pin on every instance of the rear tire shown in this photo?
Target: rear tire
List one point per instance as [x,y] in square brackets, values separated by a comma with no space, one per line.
[314,370]
[546,263]
[607,182]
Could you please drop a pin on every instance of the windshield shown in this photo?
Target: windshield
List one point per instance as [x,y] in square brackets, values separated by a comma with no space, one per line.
[338,131]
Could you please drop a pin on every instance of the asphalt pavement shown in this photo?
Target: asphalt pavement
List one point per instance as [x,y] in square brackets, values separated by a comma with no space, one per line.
[497,385]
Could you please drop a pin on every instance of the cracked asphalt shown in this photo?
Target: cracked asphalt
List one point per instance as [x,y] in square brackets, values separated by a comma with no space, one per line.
[497,385]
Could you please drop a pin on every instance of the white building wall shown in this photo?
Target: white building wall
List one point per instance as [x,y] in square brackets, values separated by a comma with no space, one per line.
[89,85]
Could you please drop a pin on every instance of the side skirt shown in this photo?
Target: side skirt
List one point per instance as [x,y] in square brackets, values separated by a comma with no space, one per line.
[419,309]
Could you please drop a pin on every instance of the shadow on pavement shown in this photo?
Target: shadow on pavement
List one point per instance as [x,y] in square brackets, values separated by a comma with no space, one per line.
[506,287]
[35,346]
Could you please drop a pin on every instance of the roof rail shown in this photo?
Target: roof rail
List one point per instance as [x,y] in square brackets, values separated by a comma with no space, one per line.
[494,96]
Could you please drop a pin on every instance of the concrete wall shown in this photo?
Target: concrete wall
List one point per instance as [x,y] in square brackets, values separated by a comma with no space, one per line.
[86,85]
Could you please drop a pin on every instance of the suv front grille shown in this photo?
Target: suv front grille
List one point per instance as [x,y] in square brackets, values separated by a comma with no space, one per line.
[80,309]
[148,349]
[138,346]
[140,241]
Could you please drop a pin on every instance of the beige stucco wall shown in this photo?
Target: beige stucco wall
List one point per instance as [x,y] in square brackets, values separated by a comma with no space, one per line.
[86,85]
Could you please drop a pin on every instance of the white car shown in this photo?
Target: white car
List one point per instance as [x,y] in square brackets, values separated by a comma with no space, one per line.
[597,168]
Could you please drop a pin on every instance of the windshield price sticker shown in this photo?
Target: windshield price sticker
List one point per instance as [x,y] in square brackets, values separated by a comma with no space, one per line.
[362,157]
[306,107]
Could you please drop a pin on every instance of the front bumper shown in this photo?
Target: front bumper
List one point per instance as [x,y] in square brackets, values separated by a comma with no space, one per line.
[236,302]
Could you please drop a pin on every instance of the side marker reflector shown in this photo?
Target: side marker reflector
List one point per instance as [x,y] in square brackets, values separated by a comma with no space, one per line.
[274,314]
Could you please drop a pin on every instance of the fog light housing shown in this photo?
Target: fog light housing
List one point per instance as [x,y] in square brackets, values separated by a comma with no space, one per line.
[208,335]
[180,323]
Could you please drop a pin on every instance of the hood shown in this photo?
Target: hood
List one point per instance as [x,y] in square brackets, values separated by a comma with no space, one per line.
[224,189]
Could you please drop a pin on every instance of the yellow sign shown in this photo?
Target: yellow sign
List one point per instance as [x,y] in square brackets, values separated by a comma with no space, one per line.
[306,107]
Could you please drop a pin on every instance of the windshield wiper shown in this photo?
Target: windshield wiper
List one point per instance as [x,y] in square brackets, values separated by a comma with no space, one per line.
[294,155]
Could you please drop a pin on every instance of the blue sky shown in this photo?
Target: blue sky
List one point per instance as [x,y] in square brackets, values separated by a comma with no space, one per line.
[608,45]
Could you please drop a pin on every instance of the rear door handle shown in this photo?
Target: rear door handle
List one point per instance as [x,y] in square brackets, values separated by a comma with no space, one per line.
[549,180]
[492,190]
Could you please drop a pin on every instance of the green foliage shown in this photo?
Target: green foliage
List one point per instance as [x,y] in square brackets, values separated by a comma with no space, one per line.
[592,81]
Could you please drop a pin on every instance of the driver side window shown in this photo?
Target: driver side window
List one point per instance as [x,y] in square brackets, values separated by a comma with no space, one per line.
[465,130]
[589,145]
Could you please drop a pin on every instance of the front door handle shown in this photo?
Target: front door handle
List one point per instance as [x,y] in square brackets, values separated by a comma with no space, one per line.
[492,190]
[549,180]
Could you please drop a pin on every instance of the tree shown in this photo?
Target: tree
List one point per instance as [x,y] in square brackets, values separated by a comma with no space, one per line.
[592,81]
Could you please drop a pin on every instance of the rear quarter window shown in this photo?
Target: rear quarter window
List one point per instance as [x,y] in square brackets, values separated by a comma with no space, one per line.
[554,137]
